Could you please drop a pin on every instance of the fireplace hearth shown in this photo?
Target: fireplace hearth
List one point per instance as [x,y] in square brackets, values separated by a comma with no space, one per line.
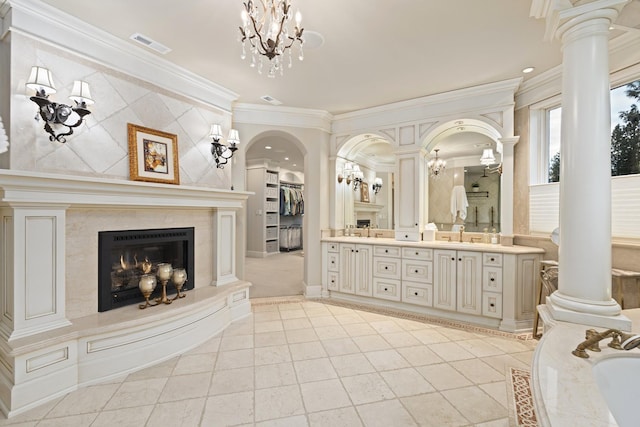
[124,256]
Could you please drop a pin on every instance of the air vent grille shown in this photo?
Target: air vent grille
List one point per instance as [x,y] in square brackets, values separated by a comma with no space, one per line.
[150,43]
[271,100]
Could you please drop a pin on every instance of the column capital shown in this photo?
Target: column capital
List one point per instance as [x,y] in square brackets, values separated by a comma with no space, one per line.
[562,15]
[510,140]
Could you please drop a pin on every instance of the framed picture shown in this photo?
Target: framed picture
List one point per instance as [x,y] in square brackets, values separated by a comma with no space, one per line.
[153,155]
[364,192]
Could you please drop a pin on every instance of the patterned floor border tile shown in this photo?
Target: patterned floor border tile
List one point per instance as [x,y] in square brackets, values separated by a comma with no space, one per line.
[521,410]
[395,313]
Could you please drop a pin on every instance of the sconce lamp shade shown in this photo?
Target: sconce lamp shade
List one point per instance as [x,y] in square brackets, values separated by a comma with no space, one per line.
[216,132]
[348,168]
[80,93]
[378,182]
[41,79]
[487,157]
[234,137]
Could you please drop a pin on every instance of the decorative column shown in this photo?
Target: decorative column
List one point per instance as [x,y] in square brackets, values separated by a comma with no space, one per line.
[224,238]
[584,283]
[506,189]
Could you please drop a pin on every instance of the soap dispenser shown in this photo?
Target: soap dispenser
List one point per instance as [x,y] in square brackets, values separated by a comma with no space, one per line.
[494,237]
[485,235]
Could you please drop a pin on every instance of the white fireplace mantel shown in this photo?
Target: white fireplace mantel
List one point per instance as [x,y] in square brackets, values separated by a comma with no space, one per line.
[45,352]
[21,187]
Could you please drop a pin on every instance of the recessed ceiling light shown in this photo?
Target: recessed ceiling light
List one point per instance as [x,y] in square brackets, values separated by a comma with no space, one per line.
[528,70]
[294,164]
[286,158]
[267,147]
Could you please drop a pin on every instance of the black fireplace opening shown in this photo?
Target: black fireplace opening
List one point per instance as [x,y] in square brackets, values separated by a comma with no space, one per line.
[125,256]
[363,223]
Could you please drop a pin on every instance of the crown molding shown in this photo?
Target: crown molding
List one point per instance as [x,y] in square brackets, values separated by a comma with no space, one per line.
[42,22]
[282,116]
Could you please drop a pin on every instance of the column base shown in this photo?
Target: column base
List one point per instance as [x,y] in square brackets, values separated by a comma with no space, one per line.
[604,315]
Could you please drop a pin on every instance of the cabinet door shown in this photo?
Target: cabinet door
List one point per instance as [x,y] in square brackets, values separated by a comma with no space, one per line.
[363,270]
[444,279]
[347,267]
[469,282]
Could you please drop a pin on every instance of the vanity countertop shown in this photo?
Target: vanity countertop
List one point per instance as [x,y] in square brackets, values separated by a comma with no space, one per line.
[437,244]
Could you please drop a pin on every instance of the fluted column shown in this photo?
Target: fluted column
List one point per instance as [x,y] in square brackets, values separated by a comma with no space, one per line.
[584,285]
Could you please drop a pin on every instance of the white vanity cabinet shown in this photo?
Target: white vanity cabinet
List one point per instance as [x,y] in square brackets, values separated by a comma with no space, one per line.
[355,269]
[488,285]
[410,209]
[458,281]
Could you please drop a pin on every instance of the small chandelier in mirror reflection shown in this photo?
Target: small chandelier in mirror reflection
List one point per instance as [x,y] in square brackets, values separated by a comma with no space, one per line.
[56,115]
[221,152]
[436,165]
[265,25]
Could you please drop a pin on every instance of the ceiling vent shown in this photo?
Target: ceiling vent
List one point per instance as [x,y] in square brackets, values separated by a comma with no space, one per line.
[150,43]
[271,100]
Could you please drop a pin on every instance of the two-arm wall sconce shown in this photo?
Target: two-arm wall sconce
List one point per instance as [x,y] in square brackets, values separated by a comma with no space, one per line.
[222,153]
[377,185]
[55,114]
[351,173]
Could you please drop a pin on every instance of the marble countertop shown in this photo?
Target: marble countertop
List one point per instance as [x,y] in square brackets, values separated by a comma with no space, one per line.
[437,244]
[564,388]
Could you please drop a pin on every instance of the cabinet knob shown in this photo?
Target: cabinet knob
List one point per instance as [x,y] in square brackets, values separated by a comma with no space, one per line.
[416,253]
[333,281]
[406,236]
[385,289]
[351,250]
[386,251]
[459,259]
[357,251]
[415,293]
[493,259]
[453,259]
[415,271]
[492,305]
[493,279]
[386,267]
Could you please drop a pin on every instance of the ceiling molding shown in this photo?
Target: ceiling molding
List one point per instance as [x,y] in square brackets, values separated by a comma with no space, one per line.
[52,26]
[282,116]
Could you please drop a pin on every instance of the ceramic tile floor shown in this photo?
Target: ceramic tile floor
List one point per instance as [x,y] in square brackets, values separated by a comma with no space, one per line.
[306,363]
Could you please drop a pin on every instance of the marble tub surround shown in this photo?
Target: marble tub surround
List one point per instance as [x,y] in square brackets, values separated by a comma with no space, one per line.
[564,388]
[305,363]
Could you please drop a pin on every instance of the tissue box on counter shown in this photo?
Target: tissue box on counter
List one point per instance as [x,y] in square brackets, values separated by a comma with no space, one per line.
[429,233]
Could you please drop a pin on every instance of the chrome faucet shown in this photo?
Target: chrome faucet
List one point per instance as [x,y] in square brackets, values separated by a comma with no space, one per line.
[461,231]
[620,341]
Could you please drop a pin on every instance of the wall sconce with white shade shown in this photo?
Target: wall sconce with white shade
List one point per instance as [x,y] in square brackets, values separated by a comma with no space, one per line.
[347,173]
[221,152]
[487,158]
[54,114]
[377,185]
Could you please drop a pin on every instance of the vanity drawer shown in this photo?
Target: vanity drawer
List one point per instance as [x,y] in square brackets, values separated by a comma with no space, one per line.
[492,279]
[417,253]
[387,251]
[386,288]
[417,271]
[387,267]
[333,247]
[492,259]
[333,261]
[492,304]
[408,236]
[420,295]
[333,281]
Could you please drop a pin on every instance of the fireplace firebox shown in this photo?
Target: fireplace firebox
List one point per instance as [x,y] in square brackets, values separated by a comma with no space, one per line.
[125,256]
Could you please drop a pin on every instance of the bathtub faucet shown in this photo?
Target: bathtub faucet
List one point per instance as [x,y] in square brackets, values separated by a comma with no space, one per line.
[620,341]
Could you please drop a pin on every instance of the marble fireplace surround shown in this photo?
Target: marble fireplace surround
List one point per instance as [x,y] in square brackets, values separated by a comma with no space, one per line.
[52,338]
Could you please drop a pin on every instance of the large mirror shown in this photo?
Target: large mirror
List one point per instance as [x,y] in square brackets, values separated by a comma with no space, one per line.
[462,151]
[366,164]
[460,146]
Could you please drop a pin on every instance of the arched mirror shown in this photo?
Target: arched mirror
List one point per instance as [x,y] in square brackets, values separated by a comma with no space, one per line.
[462,149]
[364,170]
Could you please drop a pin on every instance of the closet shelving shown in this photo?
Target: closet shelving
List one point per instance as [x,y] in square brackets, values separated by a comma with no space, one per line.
[290,225]
[263,211]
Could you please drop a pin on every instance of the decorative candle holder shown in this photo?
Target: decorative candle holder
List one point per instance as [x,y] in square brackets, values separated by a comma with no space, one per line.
[179,278]
[147,285]
[164,274]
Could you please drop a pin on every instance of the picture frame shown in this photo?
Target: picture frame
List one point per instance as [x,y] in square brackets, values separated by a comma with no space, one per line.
[364,192]
[153,155]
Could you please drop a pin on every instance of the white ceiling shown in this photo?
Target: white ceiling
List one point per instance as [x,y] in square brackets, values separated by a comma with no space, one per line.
[375,51]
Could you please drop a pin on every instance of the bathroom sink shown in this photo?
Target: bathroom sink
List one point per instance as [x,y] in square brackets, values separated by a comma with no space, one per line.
[617,377]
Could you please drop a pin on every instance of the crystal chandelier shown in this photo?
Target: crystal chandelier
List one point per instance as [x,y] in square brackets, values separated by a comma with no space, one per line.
[265,26]
[436,165]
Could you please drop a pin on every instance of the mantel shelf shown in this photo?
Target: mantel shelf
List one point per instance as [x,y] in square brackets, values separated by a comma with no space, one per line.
[366,207]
